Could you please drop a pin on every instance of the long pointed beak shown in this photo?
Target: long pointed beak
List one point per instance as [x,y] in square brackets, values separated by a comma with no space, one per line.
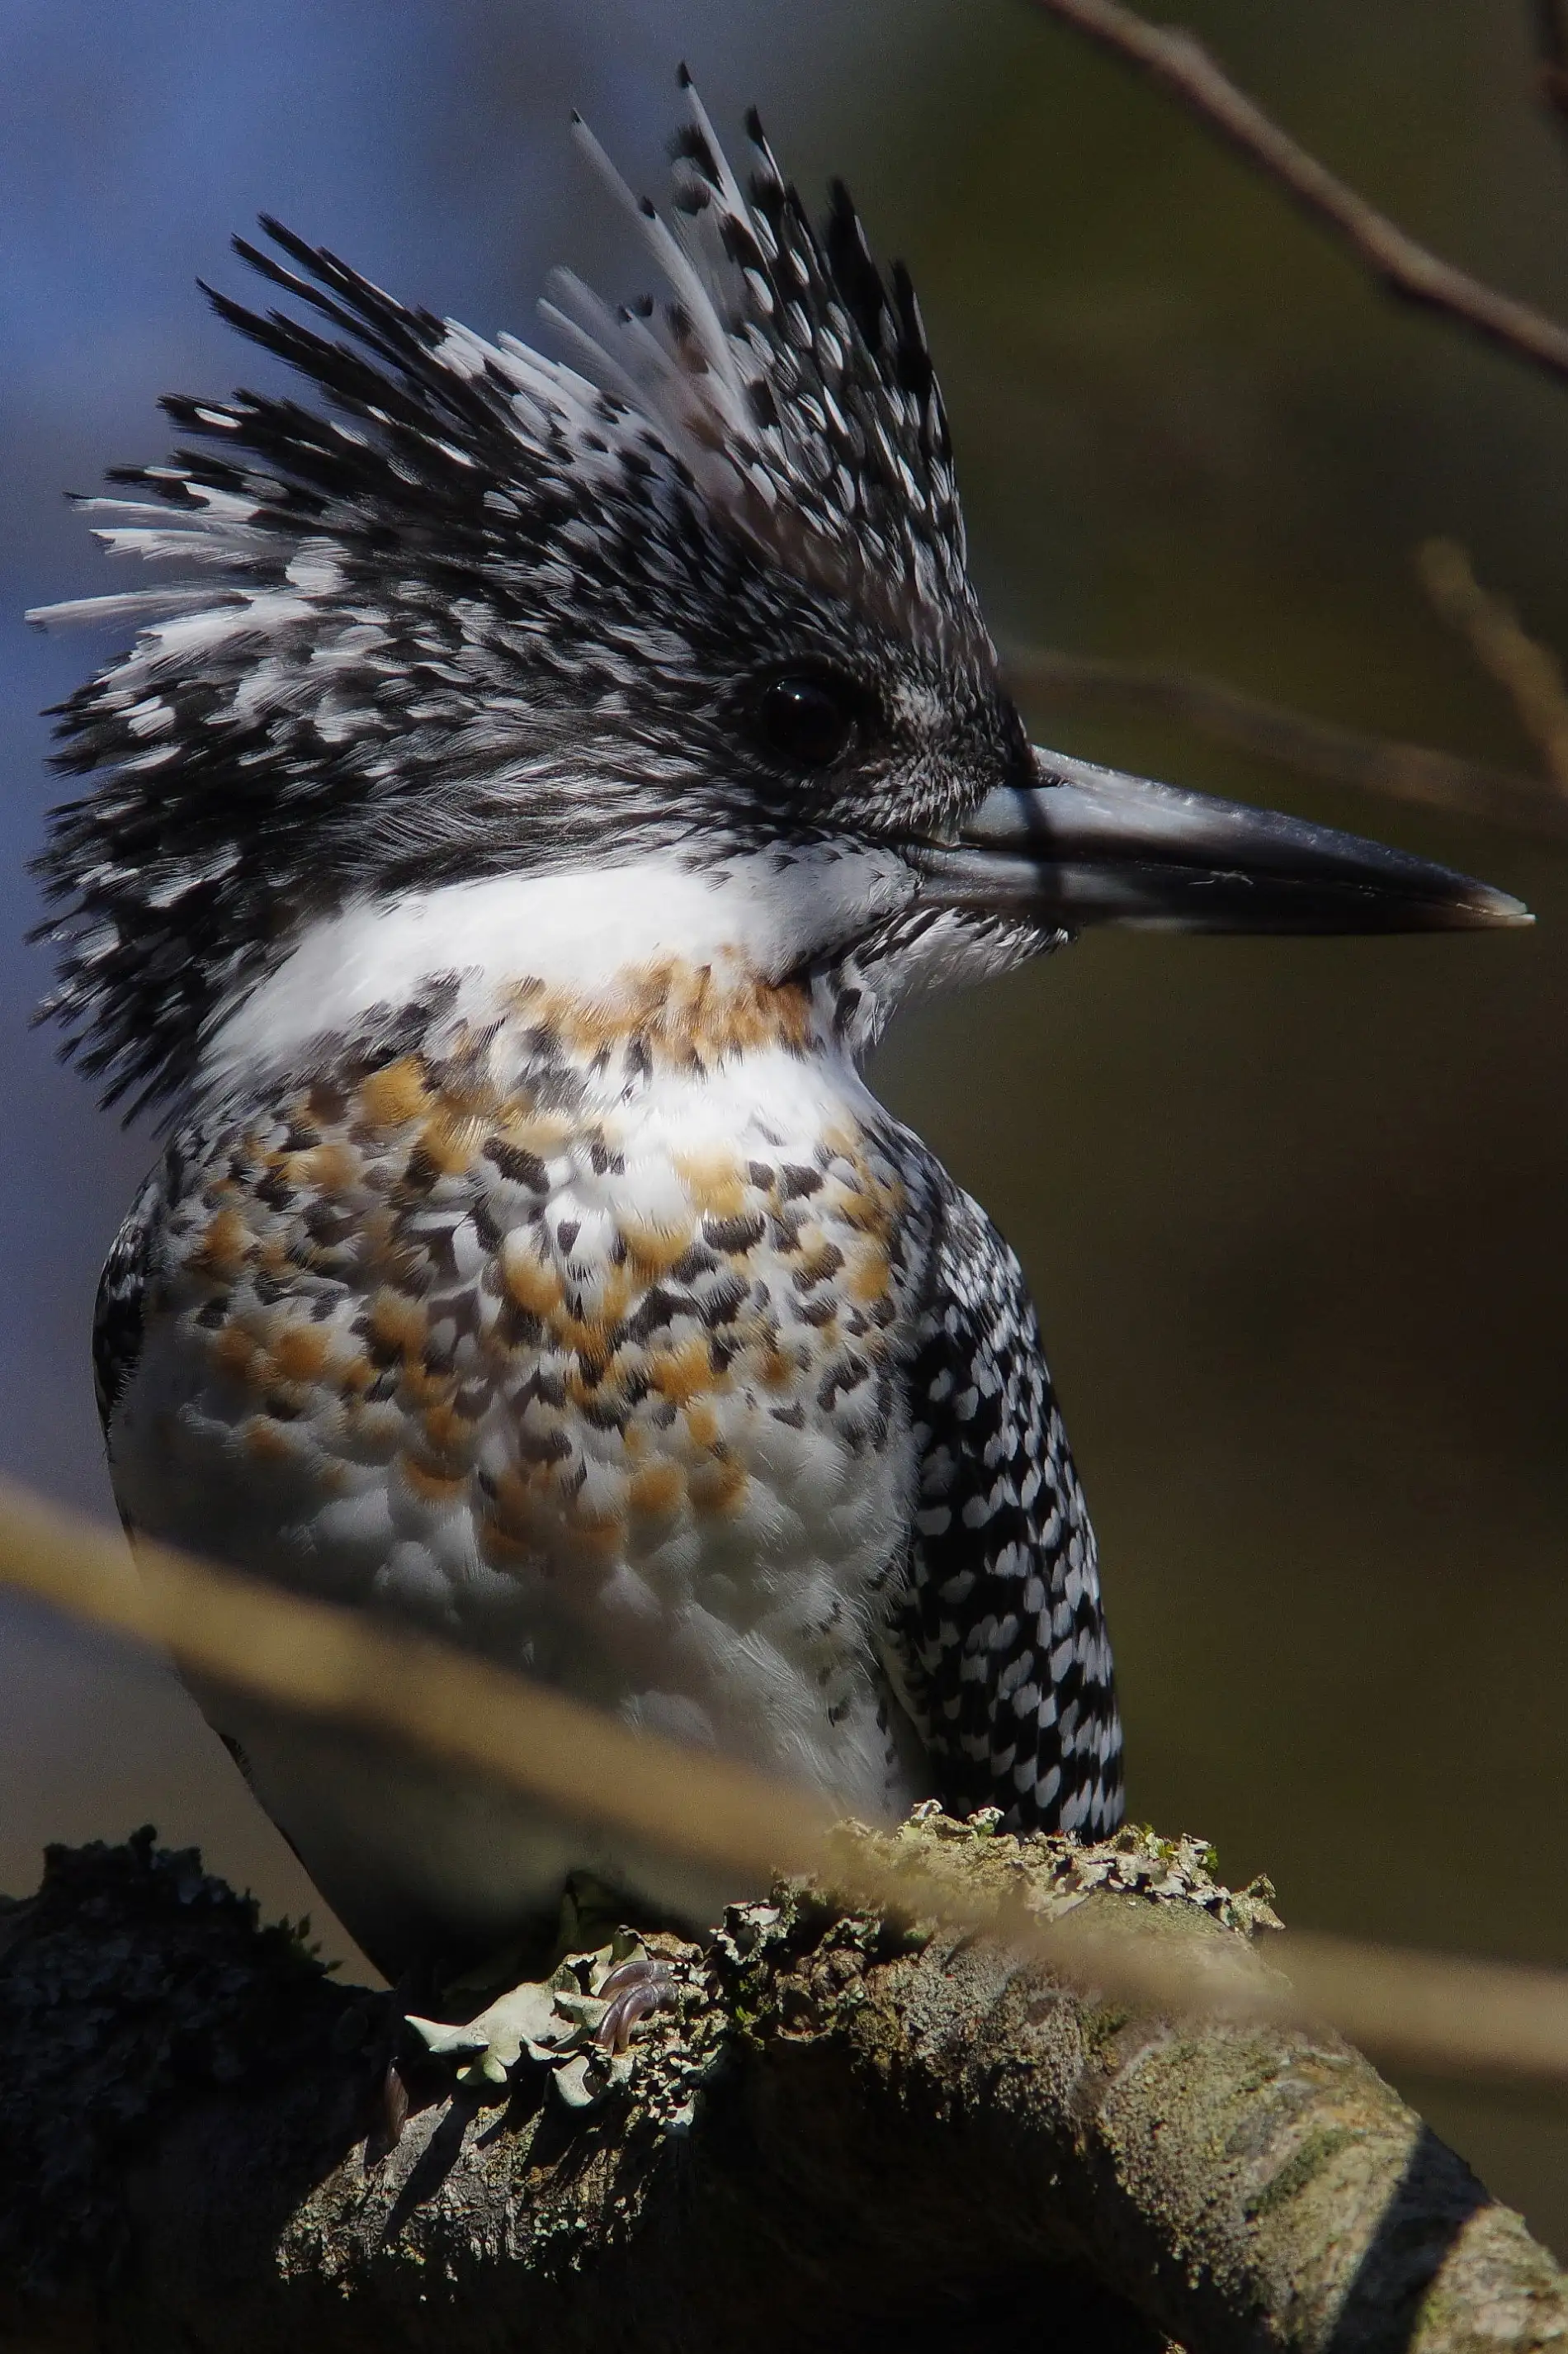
[1089,845]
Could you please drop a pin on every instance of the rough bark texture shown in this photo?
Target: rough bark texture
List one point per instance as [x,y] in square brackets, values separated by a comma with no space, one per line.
[851,2134]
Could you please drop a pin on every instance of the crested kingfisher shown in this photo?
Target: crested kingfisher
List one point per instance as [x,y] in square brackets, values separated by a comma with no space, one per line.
[533,790]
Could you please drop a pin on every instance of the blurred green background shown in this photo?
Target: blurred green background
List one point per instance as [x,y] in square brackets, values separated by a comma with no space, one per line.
[1292,1212]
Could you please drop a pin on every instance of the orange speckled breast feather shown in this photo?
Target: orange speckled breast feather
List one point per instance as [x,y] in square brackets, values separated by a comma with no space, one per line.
[546,1332]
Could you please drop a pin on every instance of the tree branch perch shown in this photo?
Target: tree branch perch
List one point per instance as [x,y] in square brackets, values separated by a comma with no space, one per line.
[856,2133]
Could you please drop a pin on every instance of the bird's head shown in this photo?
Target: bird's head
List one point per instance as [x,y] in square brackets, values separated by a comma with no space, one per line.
[685,618]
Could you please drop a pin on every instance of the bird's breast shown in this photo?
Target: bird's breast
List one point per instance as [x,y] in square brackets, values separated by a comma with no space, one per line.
[578,1333]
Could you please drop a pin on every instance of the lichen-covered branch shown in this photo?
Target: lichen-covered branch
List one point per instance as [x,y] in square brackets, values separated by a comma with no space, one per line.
[853,2131]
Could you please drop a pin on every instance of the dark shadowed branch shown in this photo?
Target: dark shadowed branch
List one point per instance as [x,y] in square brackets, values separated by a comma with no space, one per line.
[849,2133]
[1179,64]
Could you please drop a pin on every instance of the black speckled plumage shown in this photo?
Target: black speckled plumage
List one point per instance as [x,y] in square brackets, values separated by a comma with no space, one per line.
[478,560]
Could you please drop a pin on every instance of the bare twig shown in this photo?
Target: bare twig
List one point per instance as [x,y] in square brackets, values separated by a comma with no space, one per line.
[1175,60]
[1309,746]
[1446,2017]
[1529,673]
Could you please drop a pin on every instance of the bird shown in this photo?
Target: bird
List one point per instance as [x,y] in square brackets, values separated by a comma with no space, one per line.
[533,785]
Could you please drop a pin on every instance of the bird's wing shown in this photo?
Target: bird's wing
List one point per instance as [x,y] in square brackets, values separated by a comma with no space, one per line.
[117,1312]
[997,1644]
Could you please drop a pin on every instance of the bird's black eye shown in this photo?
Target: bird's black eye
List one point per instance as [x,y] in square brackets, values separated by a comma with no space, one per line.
[809,718]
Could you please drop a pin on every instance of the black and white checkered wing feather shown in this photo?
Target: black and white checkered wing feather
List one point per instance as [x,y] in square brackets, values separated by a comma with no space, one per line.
[1000,1648]
[118,1311]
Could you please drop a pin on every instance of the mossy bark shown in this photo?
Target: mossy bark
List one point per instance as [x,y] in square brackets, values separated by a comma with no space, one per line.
[851,2132]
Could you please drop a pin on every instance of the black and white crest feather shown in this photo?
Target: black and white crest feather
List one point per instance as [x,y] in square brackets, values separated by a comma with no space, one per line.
[412,633]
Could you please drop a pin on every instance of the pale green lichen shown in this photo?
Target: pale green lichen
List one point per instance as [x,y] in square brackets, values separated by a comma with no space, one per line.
[1302,2169]
[551,2021]
[746,1985]
[1049,1874]
[553,2024]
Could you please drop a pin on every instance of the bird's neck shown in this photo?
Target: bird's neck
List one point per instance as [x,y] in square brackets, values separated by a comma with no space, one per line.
[652,967]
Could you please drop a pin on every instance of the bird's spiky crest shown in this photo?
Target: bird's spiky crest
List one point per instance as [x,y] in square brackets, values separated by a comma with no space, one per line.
[383,595]
[794,381]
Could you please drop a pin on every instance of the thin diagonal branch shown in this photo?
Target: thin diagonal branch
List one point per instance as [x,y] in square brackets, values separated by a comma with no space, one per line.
[399,1687]
[1294,739]
[1179,65]
[1528,672]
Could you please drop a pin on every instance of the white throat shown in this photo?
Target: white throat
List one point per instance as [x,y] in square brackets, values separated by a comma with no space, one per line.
[577,930]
